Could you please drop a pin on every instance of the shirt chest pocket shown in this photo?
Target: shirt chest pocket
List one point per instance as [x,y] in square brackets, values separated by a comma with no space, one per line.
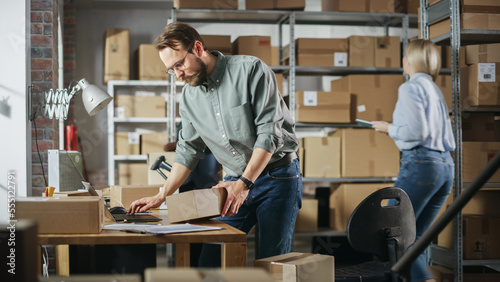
[241,120]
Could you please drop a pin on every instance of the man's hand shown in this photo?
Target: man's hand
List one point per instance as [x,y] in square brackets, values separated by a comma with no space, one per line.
[236,195]
[145,204]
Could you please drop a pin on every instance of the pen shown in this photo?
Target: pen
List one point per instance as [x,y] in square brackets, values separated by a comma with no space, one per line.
[135,231]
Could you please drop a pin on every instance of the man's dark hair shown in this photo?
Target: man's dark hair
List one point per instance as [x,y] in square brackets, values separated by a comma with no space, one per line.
[177,35]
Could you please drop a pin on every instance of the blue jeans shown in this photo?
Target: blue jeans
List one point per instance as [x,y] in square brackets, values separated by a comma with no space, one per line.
[272,204]
[427,177]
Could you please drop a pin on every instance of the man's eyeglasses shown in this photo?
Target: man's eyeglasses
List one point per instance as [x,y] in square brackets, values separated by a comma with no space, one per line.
[179,65]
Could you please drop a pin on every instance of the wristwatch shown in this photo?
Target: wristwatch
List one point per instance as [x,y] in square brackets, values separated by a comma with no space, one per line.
[247,182]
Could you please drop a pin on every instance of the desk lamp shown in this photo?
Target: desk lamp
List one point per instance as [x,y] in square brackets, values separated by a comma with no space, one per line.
[57,102]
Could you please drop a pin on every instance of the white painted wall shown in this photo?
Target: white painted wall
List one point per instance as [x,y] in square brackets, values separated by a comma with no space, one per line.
[15,144]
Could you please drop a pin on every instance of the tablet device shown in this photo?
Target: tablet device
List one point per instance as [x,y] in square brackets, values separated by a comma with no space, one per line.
[364,123]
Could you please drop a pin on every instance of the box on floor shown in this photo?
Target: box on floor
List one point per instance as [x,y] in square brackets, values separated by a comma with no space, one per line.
[299,267]
[199,275]
[65,215]
[196,204]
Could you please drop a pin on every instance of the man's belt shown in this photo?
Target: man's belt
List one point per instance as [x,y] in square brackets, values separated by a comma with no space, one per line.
[285,160]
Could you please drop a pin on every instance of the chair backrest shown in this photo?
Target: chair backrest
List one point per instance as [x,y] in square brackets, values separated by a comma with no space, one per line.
[373,221]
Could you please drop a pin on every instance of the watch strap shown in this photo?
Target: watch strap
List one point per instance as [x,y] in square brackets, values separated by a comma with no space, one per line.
[247,182]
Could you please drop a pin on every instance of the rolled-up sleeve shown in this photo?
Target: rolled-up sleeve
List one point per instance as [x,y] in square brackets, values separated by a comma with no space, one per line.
[268,116]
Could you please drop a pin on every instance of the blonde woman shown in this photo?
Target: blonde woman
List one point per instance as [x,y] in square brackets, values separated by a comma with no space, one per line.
[422,131]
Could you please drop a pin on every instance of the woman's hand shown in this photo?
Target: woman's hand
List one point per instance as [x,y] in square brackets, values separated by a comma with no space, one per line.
[381,126]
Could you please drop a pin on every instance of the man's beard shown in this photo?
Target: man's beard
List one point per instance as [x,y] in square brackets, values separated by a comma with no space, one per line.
[199,77]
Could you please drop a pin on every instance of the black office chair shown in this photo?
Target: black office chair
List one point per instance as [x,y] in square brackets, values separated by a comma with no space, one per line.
[382,230]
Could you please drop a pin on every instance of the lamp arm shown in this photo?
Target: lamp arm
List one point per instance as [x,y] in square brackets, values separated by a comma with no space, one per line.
[57,102]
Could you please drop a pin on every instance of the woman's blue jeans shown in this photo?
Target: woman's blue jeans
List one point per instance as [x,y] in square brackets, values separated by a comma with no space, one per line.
[272,204]
[427,177]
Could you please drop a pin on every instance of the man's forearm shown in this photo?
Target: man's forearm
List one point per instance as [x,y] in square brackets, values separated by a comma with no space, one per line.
[178,175]
[259,160]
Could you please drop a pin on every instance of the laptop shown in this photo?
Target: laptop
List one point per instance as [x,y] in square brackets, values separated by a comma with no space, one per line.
[121,217]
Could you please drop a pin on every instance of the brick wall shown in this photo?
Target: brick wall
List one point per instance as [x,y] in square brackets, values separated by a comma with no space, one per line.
[44,75]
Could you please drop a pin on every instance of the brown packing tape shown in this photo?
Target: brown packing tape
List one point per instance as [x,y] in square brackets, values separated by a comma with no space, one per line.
[377,81]
[388,62]
[483,48]
[367,5]
[483,57]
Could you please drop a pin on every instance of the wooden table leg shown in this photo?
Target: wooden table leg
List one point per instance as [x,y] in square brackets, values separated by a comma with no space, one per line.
[182,255]
[234,255]
[62,260]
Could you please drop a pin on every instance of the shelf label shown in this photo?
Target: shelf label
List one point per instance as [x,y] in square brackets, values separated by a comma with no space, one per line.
[361,108]
[120,112]
[340,59]
[133,137]
[310,98]
[486,72]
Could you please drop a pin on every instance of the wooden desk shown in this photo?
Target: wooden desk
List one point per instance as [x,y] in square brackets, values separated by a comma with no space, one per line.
[233,251]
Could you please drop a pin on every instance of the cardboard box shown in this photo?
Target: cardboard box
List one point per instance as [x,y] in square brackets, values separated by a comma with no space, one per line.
[345,5]
[258,46]
[307,218]
[127,143]
[116,54]
[150,66]
[388,51]
[484,202]
[376,95]
[388,6]
[442,274]
[480,6]
[126,194]
[93,278]
[132,173]
[237,274]
[344,199]
[475,156]
[361,51]
[153,176]
[444,83]
[412,6]
[322,156]
[319,52]
[279,82]
[196,204]
[206,4]
[367,153]
[299,267]
[482,127]
[140,106]
[467,21]
[65,215]
[480,84]
[220,43]
[275,5]
[325,107]
[483,53]
[153,142]
[480,239]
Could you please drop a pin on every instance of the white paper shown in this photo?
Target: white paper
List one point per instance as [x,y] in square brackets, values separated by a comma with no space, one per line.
[340,59]
[120,112]
[310,98]
[486,72]
[361,108]
[133,138]
[160,229]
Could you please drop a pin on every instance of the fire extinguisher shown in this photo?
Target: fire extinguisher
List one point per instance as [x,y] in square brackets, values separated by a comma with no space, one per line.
[71,140]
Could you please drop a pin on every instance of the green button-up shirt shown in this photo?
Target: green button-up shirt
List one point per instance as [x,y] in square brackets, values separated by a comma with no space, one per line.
[238,109]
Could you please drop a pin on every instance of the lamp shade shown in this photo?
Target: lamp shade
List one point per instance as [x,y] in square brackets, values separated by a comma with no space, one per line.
[94,98]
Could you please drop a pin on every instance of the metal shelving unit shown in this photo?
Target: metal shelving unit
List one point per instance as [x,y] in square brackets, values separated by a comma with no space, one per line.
[450,9]
[166,123]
